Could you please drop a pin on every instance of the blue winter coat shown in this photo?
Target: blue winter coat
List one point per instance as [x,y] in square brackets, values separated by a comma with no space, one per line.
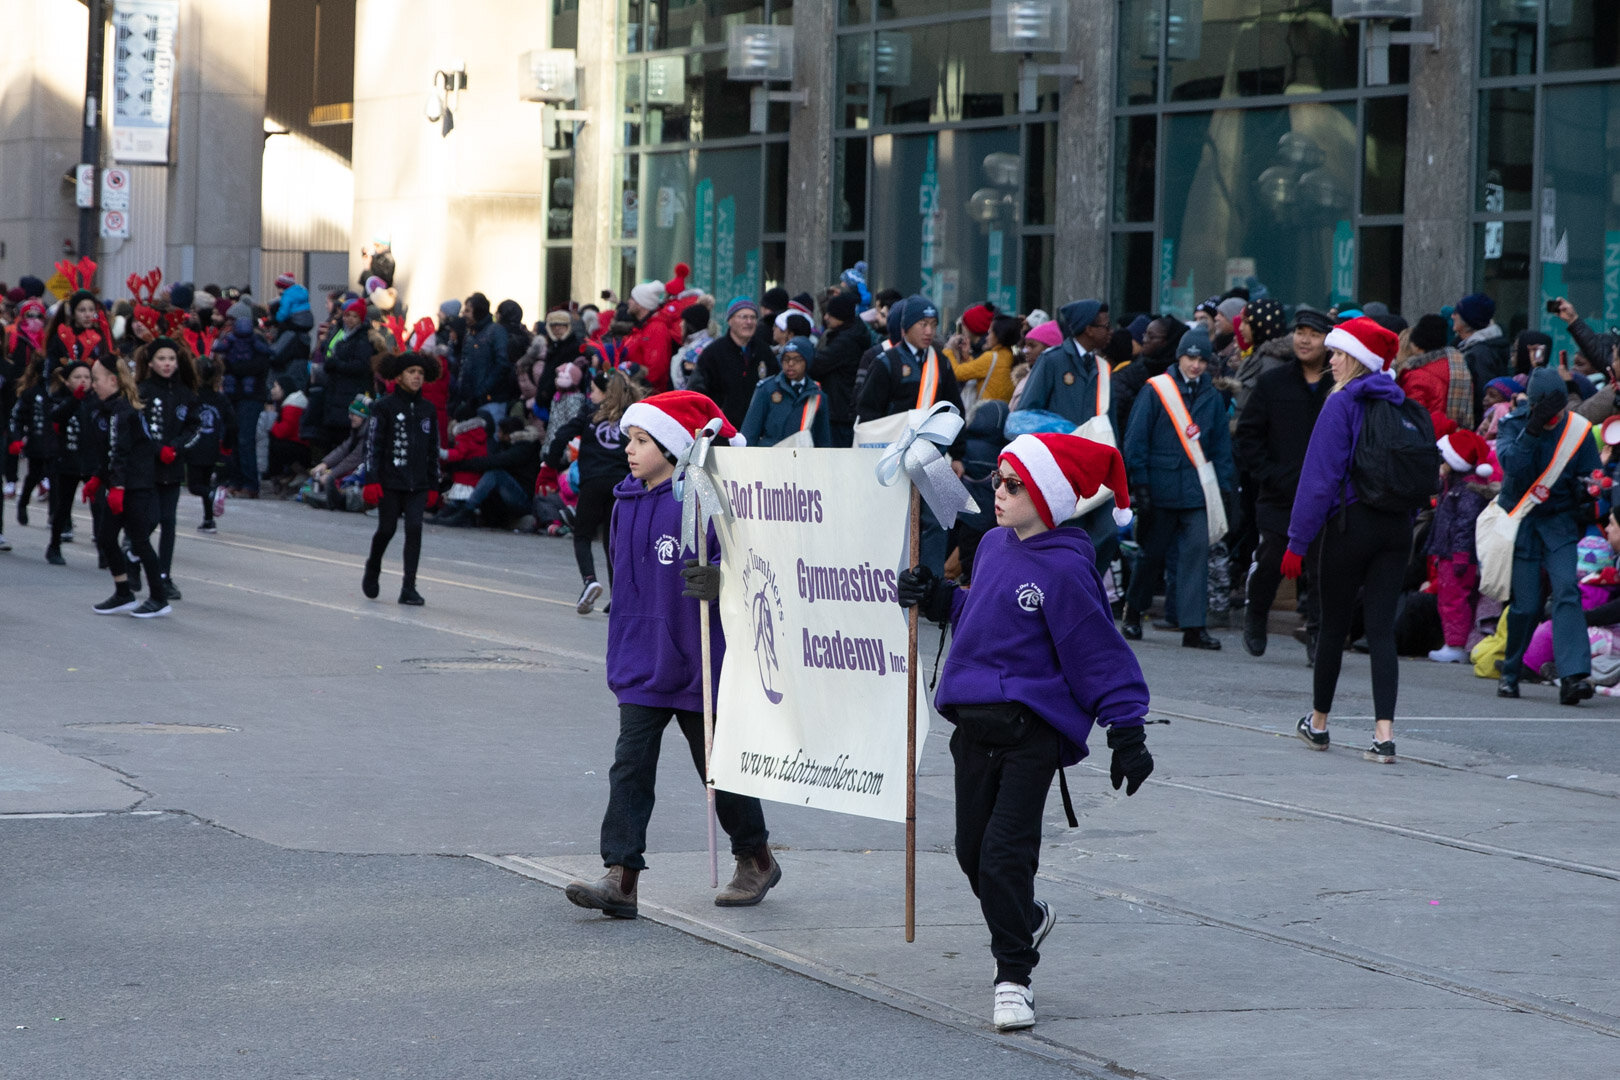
[777,411]
[1153,451]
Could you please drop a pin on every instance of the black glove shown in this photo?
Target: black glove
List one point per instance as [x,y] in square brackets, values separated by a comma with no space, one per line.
[702,582]
[1542,412]
[1140,500]
[1131,757]
[919,588]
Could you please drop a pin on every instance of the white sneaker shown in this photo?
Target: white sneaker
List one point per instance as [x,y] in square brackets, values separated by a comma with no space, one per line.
[11,489]
[588,596]
[1449,654]
[5,545]
[1015,1007]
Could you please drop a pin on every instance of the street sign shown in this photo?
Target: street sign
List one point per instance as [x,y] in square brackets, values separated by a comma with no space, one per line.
[114,225]
[115,189]
[59,286]
[84,186]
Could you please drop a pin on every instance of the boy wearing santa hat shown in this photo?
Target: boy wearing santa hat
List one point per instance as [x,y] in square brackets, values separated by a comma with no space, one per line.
[1466,489]
[653,638]
[1035,663]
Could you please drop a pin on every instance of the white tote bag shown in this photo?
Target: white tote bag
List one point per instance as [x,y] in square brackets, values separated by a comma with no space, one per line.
[1098,429]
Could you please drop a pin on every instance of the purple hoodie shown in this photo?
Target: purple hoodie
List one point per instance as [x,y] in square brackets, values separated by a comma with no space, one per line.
[1326,471]
[653,653]
[1036,628]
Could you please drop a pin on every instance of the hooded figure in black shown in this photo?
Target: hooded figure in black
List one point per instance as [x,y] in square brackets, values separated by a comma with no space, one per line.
[402,466]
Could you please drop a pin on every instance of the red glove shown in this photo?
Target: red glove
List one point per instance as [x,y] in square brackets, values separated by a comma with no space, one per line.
[115,500]
[166,455]
[16,447]
[91,486]
[372,493]
[80,391]
[1292,565]
[432,499]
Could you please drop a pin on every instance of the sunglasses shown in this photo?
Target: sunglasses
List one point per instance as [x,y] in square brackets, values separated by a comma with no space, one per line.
[1014,486]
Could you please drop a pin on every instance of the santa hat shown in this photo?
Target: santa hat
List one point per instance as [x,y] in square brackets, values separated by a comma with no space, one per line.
[677,284]
[1466,452]
[671,418]
[1365,340]
[1060,470]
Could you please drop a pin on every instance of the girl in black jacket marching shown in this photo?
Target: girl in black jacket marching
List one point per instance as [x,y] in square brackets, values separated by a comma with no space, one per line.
[125,487]
[602,465]
[402,466]
[32,436]
[213,436]
[75,450]
[168,388]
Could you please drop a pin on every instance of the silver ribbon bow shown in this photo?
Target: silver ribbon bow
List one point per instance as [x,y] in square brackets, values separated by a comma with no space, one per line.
[917,454]
[700,497]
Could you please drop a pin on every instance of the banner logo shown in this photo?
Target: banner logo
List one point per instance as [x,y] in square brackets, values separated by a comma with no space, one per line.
[764,613]
[665,547]
[1030,596]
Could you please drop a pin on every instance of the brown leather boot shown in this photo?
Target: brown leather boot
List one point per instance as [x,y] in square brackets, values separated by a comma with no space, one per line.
[613,895]
[755,875]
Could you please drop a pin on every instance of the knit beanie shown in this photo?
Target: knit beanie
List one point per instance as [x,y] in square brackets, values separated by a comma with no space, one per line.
[360,406]
[1431,333]
[804,347]
[1231,307]
[696,318]
[1366,341]
[741,304]
[1476,310]
[677,284]
[915,309]
[977,319]
[450,309]
[1046,333]
[285,280]
[775,299]
[1060,470]
[671,418]
[1263,321]
[841,306]
[1195,342]
[649,295]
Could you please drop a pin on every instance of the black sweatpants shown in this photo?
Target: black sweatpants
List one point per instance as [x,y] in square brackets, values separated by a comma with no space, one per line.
[38,469]
[136,523]
[1362,551]
[1265,577]
[1000,802]
[396,504]
[63,487]
[635,774]
[168,503]
[594,514]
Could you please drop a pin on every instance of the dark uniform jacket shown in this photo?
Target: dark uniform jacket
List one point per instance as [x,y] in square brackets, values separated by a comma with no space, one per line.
[402,447]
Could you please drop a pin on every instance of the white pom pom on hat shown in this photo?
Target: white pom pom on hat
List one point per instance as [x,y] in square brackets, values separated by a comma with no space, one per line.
[1466,452]
[1060,470]
[671,418]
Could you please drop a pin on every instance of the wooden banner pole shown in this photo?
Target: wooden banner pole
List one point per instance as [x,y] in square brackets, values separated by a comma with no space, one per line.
[707,681]
[915,521]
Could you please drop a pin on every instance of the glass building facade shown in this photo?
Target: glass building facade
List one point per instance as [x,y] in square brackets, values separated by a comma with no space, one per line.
[1244,144]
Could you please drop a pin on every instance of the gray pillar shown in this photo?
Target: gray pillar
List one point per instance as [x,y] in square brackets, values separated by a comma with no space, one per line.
[1085,149]
[594,267]
[809,178]
[215,177]
[1437,248]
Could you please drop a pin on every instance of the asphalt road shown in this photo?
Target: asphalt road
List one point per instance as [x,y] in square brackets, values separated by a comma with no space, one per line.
[316,756]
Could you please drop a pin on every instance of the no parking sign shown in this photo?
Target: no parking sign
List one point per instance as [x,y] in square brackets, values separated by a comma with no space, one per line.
[114,225]
[115,189]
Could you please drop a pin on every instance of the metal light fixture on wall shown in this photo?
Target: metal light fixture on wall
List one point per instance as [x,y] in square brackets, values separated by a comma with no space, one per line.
[1029,27]
[762,53]
[551,77]
[441,104]
[1378,14]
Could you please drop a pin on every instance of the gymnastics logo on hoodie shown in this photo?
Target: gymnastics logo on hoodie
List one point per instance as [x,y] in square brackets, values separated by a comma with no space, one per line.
[764,613]
[1030,596]
[665,548]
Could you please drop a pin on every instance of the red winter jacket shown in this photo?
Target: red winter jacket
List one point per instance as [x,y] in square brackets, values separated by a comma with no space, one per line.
[471,440]
[653,342]
[1428,386]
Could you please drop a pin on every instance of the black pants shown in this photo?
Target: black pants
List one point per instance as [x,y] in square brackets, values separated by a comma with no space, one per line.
[136,523]
[168,510]
[1362,550]
[634,774]
[594,514]
[843,434]
[63,487]
[1265,577]
[1188,529]
[37,470]
[1000,801]
[396,504]
[286,457]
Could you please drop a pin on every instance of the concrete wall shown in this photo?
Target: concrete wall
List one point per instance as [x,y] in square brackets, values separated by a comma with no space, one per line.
[41,110]
[465,212]
[214,176]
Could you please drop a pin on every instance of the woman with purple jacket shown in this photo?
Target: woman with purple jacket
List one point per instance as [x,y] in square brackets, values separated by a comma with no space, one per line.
[1366,548]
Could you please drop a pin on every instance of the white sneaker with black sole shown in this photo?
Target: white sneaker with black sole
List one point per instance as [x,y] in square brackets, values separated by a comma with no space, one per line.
[118,603]
[588,596]
[1014,1007]
[152,609]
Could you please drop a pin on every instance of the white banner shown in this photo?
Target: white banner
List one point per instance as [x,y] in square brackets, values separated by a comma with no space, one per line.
[811,708]
[143,78]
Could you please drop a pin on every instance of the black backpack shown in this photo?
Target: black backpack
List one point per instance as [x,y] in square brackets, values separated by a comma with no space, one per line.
[1397,464]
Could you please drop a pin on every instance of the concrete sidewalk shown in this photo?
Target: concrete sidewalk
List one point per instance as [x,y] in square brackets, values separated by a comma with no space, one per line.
[1257,910]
